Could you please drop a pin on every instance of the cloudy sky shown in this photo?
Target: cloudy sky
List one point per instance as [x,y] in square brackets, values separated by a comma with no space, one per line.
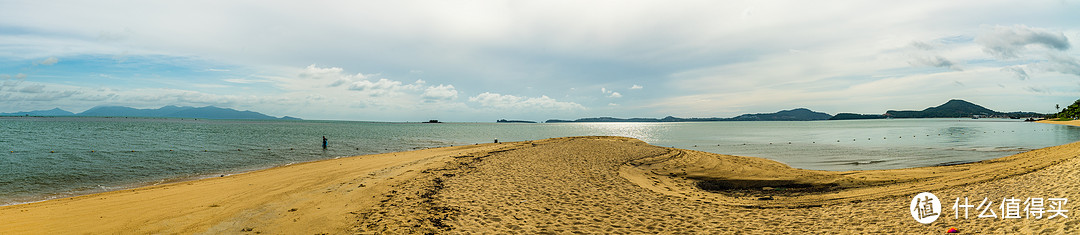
[537,60]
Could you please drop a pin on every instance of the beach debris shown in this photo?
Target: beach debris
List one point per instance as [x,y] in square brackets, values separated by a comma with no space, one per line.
[953,230]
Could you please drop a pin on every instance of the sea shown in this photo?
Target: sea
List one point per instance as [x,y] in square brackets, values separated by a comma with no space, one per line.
[54,157]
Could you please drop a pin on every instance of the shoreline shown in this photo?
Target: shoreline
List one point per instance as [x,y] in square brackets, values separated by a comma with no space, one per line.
[274,187]
[457,187]
[164,181]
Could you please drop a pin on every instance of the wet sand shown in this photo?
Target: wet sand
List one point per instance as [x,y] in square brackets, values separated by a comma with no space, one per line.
[565,185]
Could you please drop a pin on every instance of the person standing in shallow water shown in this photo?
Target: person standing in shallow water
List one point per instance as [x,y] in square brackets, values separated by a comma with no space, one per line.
[324,142]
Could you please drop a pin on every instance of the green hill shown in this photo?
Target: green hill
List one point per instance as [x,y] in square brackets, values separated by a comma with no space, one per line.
[951,109]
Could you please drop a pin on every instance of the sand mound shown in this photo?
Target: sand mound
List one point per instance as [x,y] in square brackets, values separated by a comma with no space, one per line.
[622,185]
[757,182]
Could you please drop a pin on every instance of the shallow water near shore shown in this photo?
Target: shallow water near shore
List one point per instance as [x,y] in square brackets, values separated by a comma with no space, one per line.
[63,156]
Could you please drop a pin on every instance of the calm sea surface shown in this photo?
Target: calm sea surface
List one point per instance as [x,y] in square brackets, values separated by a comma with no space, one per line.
[46,158]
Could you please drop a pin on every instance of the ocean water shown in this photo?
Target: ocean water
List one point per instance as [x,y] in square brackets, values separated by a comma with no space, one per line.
[45,158]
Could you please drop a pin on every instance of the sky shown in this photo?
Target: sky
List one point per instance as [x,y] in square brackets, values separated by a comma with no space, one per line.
[478,61]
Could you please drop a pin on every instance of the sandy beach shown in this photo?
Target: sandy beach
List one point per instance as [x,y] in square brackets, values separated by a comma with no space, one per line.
[566,185]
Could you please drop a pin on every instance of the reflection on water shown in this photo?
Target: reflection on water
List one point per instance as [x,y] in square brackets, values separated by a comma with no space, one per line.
[647,132]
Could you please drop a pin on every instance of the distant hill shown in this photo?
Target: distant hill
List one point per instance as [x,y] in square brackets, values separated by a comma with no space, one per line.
[513,121]
[852,116]
[51,112]
[799,114]
[208,112]
[951,109]
[1071,111]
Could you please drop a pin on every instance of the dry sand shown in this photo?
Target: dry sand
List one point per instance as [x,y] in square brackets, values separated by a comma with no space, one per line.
[565,185]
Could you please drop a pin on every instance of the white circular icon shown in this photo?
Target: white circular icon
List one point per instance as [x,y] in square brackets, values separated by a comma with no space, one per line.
[925,208]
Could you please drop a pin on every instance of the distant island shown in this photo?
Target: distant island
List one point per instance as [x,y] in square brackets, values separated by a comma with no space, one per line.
[51,112]
[513,121]
[208,112]
[952,109]
[799,114]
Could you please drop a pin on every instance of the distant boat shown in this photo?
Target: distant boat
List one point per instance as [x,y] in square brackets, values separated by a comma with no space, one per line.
[433,121]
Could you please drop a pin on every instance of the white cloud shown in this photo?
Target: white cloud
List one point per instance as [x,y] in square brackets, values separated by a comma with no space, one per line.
[1063,64]
[439,93]
[1017,71]
[499,101]
[314,72]
[687,48]
[1008,41]
[33,89]
[610,93]
[244,81]
[936,61]
[384,86]
[49,61]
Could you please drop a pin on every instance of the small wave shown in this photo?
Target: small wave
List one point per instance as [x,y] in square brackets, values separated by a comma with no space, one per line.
[992,149]
[854,162]
[953,163]
[863,162]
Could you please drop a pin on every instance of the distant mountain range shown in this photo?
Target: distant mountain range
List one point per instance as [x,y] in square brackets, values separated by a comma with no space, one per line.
[951,109]
[208,112]
[799,114]
[513,121]
[51,112]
